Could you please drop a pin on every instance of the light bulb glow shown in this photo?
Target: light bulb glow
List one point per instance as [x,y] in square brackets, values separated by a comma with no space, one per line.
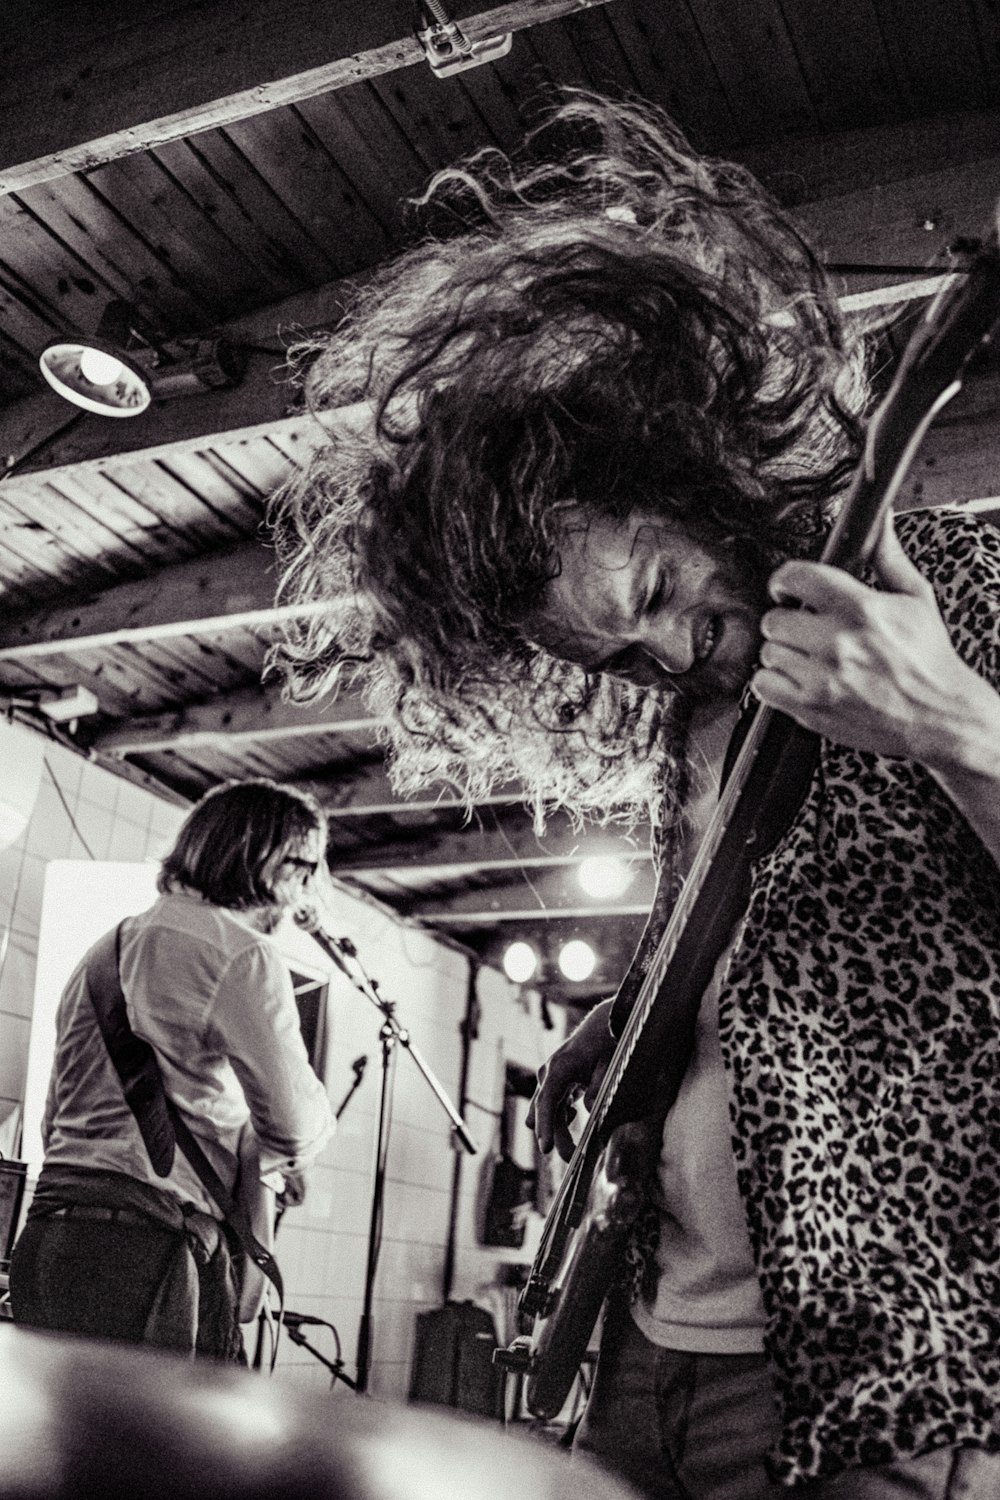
[98,367]
[577,960]
[604,876]
[519,962]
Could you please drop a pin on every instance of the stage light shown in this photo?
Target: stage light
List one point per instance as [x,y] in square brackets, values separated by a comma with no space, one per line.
[577,960]
[604,876]
[123,367]
[519,962]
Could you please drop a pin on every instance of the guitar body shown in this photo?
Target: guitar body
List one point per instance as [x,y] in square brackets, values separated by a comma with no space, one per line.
[260,1203]
[590,1267]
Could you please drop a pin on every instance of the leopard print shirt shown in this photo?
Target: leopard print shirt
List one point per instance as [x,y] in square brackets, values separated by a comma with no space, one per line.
[859,1024]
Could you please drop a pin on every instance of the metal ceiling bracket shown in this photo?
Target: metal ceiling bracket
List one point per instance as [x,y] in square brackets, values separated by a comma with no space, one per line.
[447,48]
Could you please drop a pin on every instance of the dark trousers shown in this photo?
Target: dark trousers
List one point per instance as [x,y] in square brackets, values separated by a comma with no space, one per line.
[115,1275]
[698,1426]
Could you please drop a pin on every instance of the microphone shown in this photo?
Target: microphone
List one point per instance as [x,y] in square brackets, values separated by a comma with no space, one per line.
[295,1320]
[358,1067]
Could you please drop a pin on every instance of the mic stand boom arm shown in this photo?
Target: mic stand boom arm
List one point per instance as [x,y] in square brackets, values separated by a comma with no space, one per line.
[338,950]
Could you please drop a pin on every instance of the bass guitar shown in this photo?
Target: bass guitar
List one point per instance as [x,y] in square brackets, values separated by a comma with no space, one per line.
[579,1255]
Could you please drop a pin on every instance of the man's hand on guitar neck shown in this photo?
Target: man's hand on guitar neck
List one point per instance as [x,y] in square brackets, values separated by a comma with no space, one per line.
[573,1072]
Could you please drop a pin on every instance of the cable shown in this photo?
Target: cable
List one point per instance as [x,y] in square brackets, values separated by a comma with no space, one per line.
[66,809]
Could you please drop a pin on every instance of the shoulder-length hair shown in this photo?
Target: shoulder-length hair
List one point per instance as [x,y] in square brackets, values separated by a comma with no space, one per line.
[225,849]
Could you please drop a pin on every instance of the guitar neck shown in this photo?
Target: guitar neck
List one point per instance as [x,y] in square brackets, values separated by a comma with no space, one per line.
[772,771]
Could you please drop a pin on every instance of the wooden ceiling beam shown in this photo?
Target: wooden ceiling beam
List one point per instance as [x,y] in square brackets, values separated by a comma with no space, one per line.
[257,713]
[87,84]
[219,591]
[905,220]
[513,845]
[37,440]
[551,892]
[348,792]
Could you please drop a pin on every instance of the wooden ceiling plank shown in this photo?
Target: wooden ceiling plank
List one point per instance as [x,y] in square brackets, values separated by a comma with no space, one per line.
[283,240]
[204,593]
[265,462]
[73,211]
[844,63]
[87,537]
[148,680]
[195,253]
[230,506]
[756,65]
[171,72]
[556,55]
[436,113]
[935,58]
[362,158]
[99,496]
[256,713]
[27,326]
[496,102]
[395,155]
[666,51]
[64,288]
[605,59]
[182,667]
[263,272]
[329,209]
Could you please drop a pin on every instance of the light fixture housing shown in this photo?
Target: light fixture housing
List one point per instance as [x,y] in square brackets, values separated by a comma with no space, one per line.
[122,369]
[126,394]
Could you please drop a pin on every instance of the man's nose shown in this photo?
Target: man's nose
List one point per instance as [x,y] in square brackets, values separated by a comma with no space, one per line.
[670,642]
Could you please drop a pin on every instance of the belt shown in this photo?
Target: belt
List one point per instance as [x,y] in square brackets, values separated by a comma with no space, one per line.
[127,1216]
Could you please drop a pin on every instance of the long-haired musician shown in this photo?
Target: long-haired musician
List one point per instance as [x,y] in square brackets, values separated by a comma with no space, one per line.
[585,443]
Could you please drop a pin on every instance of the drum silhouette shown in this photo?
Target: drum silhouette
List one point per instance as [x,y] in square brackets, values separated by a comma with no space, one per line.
[114,1422]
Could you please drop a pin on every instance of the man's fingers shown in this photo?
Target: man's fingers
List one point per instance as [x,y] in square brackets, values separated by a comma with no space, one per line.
[564,1141]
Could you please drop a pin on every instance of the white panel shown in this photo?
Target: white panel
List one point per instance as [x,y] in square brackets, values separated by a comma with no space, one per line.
[81,900]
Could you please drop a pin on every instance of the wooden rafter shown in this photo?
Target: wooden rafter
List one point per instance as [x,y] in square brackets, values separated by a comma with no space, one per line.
[214,592]
[905,217]
[129,78]
[257,713]
[511,845]
[555,891]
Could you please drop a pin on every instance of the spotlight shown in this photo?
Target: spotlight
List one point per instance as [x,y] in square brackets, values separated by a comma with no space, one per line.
[520,962]
[604,876]
[121,369]
[577,960]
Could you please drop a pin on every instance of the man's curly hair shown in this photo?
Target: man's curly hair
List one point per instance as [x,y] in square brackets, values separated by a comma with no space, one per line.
[611,321]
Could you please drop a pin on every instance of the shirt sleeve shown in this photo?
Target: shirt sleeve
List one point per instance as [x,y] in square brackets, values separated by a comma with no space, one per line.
[256,1023]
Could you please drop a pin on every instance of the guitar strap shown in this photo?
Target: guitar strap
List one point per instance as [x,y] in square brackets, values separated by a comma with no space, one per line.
[160,1122]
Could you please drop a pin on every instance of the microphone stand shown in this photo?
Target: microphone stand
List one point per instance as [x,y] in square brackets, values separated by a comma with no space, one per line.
[343,954]
[335,1366]
[291,1321]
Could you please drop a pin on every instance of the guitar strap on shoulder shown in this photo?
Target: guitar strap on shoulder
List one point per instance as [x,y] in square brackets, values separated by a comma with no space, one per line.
[160,1122]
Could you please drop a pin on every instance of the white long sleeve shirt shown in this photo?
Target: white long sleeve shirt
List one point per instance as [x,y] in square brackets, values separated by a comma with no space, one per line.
[214,998]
